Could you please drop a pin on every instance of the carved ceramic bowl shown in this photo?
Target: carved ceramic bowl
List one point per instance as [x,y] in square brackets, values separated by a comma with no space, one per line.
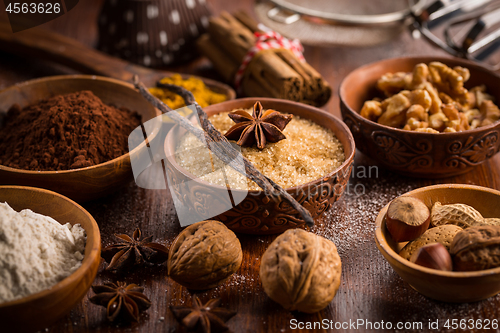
[257,213]
[40,310]
[429,155]
[435,284]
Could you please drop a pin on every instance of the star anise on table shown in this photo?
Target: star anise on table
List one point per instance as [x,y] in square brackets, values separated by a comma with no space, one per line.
[132,251]
[204,318]
[260,127]
[123,302]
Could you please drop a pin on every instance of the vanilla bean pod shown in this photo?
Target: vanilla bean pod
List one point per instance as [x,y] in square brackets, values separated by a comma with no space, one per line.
[219,145]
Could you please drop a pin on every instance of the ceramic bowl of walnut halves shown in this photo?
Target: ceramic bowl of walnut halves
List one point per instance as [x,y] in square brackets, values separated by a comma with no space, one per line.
[423,116]
[257,213]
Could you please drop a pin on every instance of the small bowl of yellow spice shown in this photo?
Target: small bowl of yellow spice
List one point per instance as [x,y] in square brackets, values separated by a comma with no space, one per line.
[204,94]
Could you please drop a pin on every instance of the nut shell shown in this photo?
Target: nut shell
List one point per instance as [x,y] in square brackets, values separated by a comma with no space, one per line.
[443,234]
[434,256]
[491,221]
[301,271]
[476,248]
[407,218]
[204,255]
[461,215]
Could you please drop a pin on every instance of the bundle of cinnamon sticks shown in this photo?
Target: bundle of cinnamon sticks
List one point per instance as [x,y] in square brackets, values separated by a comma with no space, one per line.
[274,73]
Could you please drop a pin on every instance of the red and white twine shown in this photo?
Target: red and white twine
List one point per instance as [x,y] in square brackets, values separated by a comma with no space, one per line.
[267,41]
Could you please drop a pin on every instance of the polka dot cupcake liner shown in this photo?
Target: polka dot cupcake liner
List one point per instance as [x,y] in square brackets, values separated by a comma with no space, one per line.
[152,33]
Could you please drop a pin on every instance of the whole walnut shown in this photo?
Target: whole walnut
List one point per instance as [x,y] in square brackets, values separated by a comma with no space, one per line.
[204,255]
[301,271]
[476,248]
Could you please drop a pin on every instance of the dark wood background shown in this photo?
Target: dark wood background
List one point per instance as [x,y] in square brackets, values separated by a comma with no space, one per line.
[370,289]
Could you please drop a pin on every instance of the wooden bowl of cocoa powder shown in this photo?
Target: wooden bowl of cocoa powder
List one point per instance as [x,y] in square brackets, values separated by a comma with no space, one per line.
[39,310]
[444,285]
[78,179]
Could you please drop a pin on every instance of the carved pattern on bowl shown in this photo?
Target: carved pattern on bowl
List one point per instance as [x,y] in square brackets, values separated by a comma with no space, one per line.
[248,216]
[473,151]
[402,154]
[259,213]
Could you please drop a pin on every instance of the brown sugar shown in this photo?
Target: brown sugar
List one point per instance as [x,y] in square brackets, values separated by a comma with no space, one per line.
[309,152]
[65,132]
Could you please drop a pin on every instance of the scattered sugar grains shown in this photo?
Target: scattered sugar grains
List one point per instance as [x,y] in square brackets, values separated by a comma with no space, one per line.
[36,252]
[351,221]
[308,153]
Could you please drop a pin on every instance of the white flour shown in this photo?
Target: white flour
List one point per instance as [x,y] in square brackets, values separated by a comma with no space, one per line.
[36,252]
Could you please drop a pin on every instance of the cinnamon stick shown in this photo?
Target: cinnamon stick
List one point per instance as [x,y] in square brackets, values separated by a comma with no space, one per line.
[267,68]
[277,73]
[231,35]
[316,88]
[222,62]
[247,21]
[219,145]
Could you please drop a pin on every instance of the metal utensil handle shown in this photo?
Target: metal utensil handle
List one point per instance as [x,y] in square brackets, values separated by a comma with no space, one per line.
[483,22]
[273,14]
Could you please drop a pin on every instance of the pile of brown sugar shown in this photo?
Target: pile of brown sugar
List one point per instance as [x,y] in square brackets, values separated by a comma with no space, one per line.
[65,132]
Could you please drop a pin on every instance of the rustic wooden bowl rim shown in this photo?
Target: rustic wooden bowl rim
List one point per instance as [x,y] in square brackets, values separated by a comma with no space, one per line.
[86,262]
[213,85]
[383,246]
[75,77]
[425,59]
[343,128]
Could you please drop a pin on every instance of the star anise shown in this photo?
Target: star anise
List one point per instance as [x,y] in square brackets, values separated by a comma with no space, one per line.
[203,318]
[132,251]
[260,127]
[123,302]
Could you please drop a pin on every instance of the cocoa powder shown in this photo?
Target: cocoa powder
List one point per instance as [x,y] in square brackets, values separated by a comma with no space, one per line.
[65,132]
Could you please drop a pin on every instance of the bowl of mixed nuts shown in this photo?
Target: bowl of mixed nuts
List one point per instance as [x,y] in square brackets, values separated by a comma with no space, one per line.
[444,241]
[423,116]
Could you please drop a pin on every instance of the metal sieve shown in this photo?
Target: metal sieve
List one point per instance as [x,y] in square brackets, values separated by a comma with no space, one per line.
[464,28]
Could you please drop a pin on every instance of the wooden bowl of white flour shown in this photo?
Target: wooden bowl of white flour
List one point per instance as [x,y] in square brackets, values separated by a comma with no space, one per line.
[47,261]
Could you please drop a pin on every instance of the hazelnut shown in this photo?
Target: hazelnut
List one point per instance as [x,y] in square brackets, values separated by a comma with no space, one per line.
[407,218]
[301,271]
[434,256]
[204,255]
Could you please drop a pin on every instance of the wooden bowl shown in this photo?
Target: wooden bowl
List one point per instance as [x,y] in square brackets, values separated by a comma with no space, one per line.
[85,183]
[257,213]
[428,155]
[214,86]
[40,310]
[217,87]
[435,284]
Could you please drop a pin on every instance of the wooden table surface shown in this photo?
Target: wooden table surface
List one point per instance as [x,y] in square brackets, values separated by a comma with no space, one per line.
[370,290]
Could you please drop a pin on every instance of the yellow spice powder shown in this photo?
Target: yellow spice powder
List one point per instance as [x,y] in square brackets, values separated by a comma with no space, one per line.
[202,94]
[309,152]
